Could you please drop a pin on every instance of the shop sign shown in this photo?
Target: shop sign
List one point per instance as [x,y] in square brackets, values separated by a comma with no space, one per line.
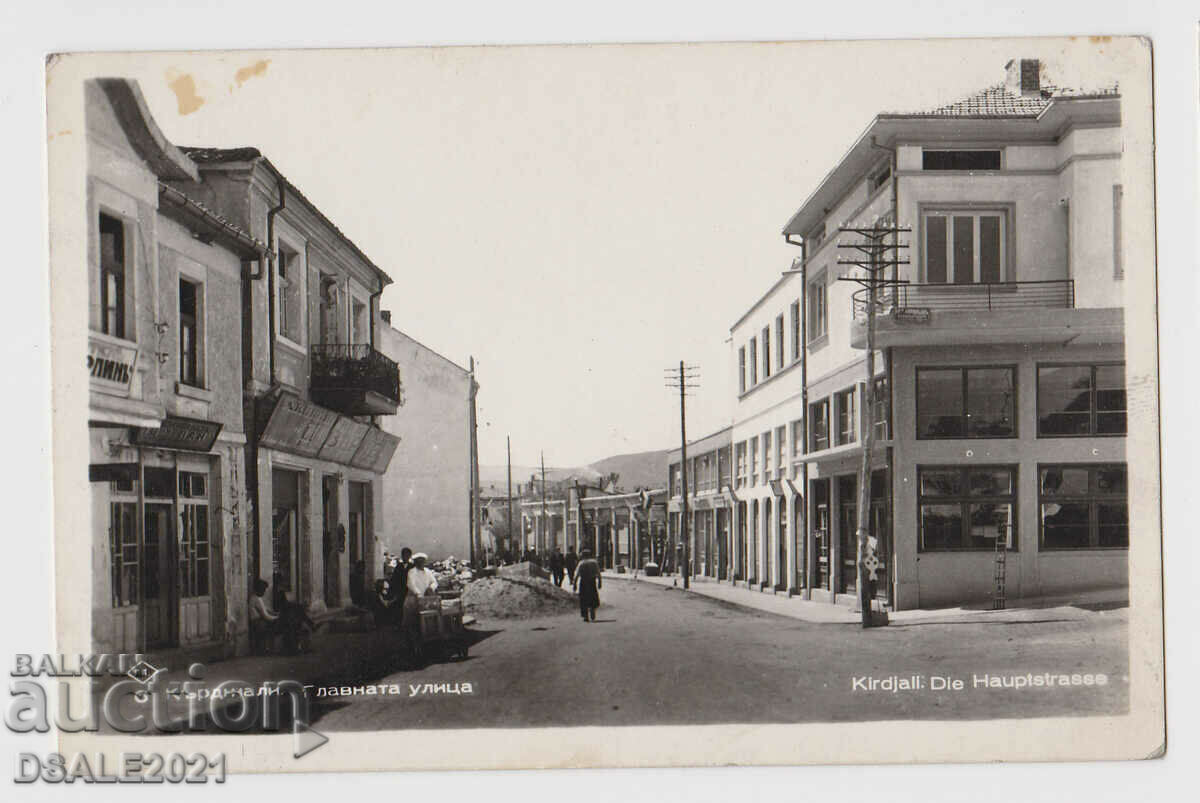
[376,450]
[111,365]
[343,441]
[113,472]
[176,432]
[298,427]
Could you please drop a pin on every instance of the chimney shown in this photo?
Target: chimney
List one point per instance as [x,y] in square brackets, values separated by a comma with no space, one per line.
[1023,77]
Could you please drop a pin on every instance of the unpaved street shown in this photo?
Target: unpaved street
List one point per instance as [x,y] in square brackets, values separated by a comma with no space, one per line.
[660,656]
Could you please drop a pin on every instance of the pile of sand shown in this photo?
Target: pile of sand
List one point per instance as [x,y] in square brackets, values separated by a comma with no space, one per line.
[515,598]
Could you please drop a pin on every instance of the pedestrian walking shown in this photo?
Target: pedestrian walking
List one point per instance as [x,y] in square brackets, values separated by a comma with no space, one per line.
[588,581]
[569,563]
[556,567]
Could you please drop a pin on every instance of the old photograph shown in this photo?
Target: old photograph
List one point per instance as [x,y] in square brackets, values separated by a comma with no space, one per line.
[609,405]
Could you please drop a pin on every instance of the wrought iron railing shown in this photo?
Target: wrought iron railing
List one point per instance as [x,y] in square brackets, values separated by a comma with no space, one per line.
[354,366]
[984,296]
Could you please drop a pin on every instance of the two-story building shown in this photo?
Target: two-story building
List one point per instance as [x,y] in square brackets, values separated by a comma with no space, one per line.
[315,384]
[1000,383]
[166,438]
[710,502]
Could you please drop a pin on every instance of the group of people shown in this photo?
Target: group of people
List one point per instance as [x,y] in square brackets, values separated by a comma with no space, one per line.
[397,600]
[285,619]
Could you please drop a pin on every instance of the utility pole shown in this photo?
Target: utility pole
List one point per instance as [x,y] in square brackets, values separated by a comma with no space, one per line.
[679,377]
[543,538]
[874,256]
[508,523]
[474,510]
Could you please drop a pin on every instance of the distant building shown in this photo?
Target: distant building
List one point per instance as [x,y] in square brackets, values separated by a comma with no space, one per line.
[710,499]
[427,487]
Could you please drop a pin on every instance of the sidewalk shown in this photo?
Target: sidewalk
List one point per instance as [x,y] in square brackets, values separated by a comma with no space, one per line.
[1077,606]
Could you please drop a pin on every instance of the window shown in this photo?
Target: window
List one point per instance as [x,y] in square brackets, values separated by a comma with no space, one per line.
[818,416]
[741,369]
[966,402]
[779,344]
[1081,400]
[753,461]
[880,177]
[883,404]
[112,276]
[676,480]
[1118,259]
[844,406]
[780,451]
[795,321]
[723,467]
[817,324]
[966,507]
[360,323]
[753,362]
[1084,507]
[191,297]
[739,452]
[767,456]
[964,246]
[960,160]
[290,303]
[797,440]
[123,553]
[766,352]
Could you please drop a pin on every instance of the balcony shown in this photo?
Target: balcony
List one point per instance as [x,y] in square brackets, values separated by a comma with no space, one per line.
[354,380]
[981,313]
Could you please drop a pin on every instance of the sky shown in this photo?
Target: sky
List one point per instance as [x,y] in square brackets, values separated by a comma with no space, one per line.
[576,219]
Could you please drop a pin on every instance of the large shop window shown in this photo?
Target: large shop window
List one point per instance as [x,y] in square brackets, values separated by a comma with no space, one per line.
[1084,507]
[966,507]
[818,416]
[1080,400]
[965,246]
[966,402]
[112,276]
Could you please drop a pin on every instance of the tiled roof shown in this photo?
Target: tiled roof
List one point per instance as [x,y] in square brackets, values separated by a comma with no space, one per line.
[1000,102]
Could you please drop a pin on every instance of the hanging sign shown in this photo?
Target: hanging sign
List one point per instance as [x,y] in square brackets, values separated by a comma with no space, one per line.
[343,441]
[376,450]
[111,366]
[176,432]
[296,426]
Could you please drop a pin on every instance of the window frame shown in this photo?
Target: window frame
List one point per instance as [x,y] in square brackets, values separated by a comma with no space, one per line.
[883,411]
[125,278]
[1093,411]
[850,436]
[766,352]
[1093,498]
[797,337]
[948,211]
[965,500]
[741,369]
[199,333]
[753,361]
[821,405]
[818,309]
[964,370]
[780,349]
[294,332]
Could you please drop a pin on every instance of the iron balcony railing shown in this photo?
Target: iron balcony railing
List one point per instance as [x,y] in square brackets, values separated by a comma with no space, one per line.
[919,298]
[357,367]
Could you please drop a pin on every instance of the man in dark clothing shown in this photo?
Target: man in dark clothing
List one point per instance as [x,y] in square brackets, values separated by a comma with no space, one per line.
[569,563]
[556,567]
[398,582]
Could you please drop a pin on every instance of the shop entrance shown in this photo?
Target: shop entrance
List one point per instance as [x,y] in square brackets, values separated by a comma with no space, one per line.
[158,602]
[359,495]
[820,521]
[285,547]
[847,532]
[329,518]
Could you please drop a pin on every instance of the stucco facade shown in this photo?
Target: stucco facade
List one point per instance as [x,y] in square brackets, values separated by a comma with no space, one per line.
[427,487]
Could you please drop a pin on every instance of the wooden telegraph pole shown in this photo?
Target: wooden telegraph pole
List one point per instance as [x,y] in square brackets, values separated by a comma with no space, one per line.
[874,257]
[681,377]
